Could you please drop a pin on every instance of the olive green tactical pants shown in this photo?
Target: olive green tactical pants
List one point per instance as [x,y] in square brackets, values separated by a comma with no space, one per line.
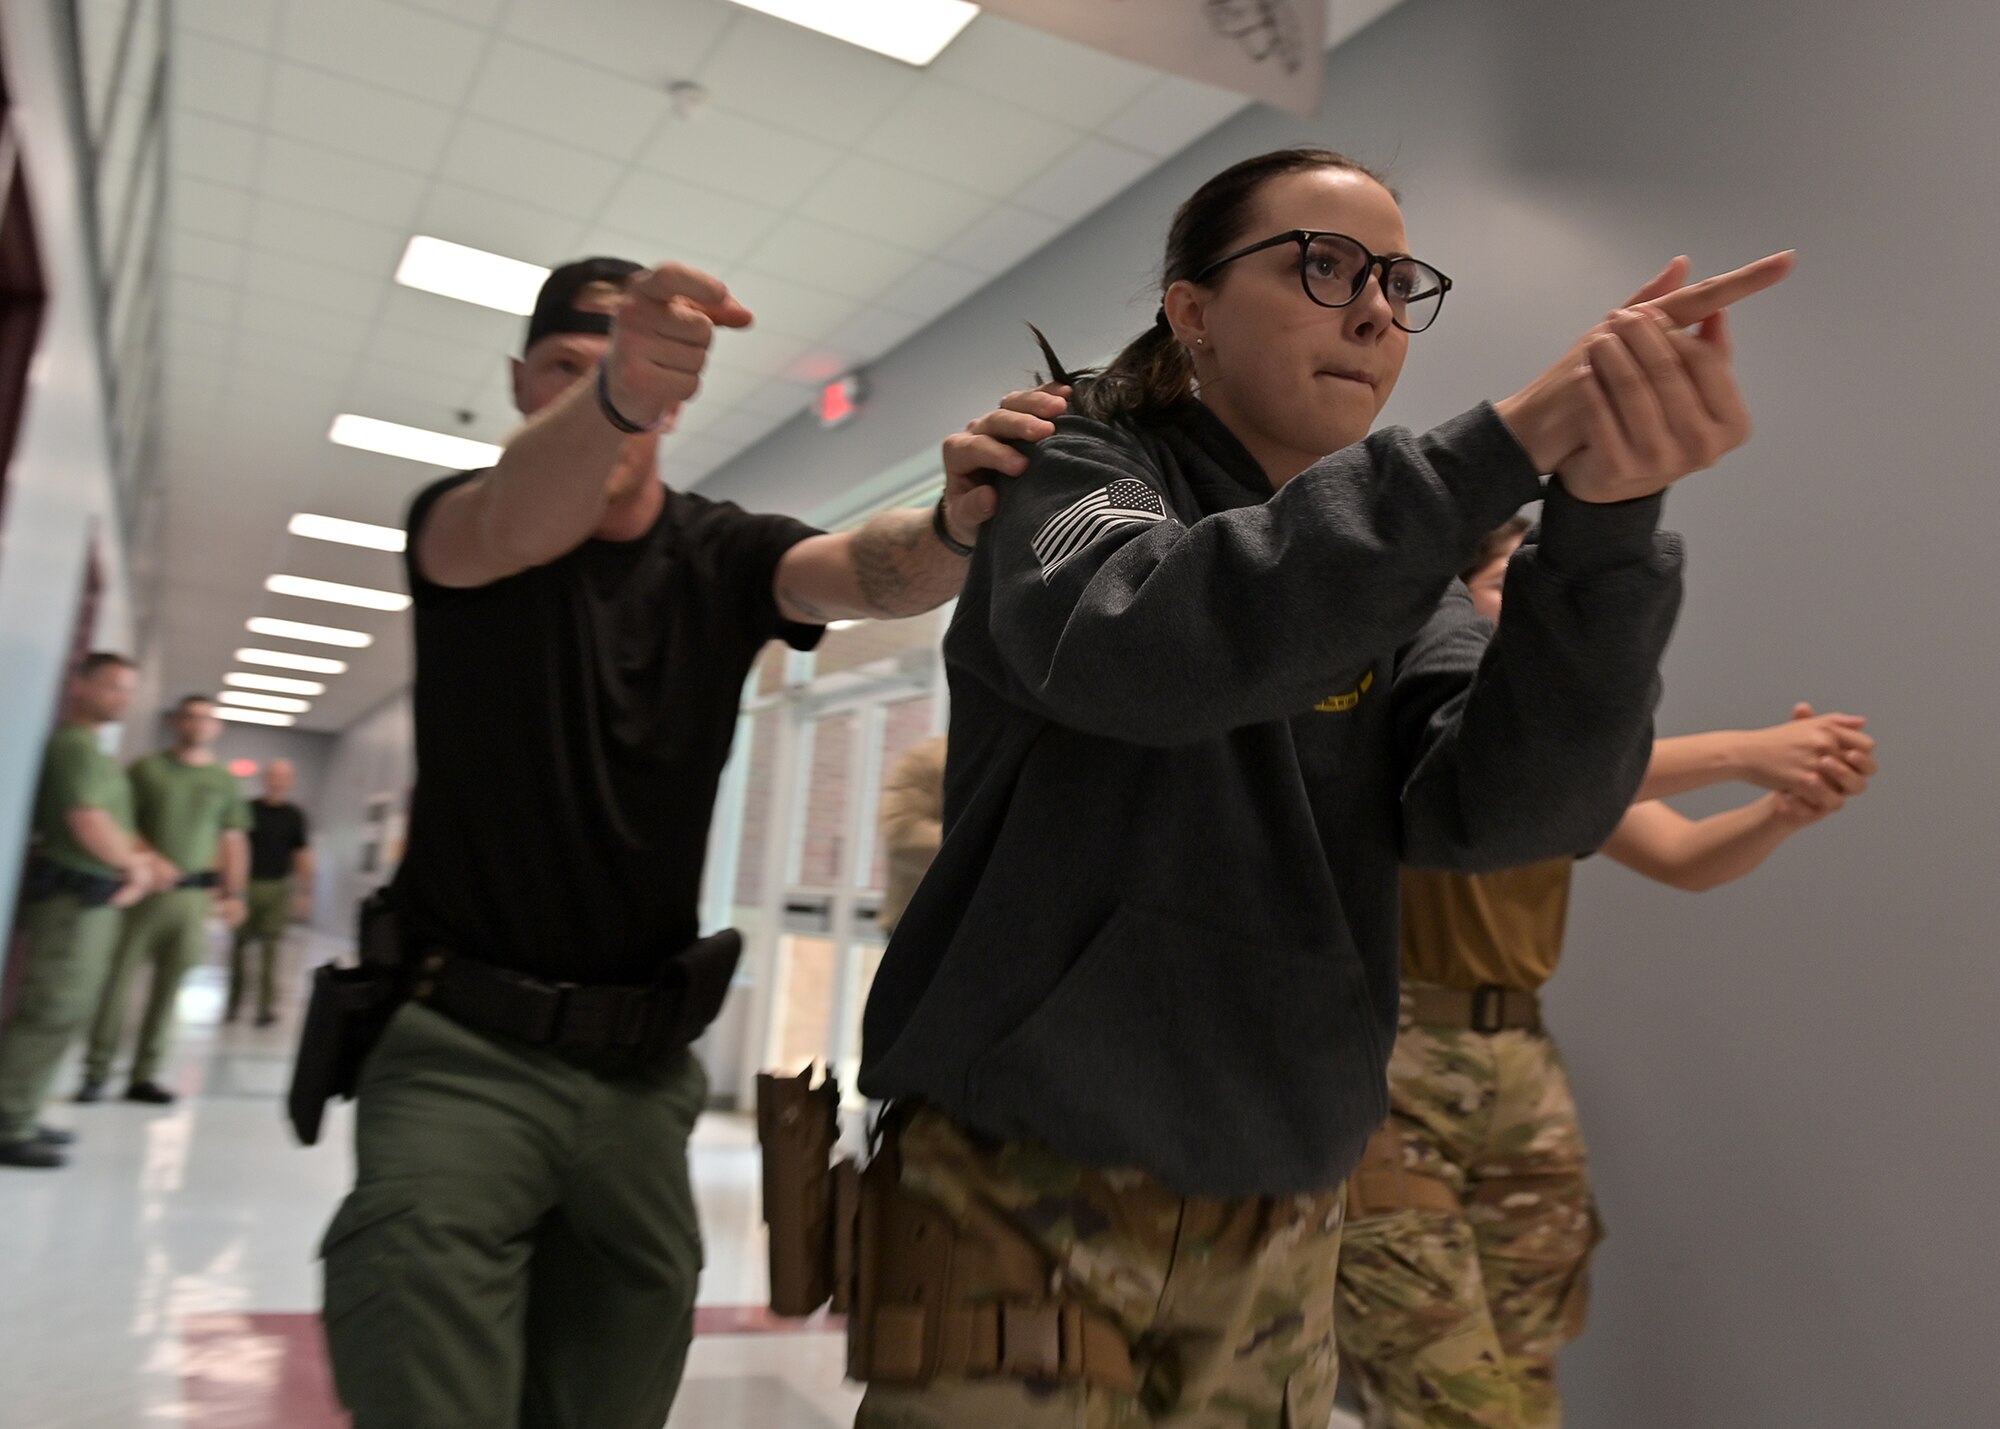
[1228,1303]
[267,908]
[168,932]
[68,953]
[520,1247]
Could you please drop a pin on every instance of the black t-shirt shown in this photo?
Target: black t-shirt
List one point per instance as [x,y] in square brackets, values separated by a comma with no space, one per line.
[572,722]
[277,831]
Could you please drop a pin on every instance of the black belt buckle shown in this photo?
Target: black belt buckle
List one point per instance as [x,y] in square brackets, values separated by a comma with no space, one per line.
[1489,1008]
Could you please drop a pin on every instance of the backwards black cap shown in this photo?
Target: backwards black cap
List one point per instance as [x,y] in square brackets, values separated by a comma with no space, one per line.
[568,303]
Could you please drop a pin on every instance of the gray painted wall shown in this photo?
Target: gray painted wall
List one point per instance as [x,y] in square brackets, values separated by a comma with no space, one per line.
[59,487]
[1788,1084]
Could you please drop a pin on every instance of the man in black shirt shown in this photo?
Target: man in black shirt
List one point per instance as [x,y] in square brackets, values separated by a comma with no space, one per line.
[521,1244]
[279,853]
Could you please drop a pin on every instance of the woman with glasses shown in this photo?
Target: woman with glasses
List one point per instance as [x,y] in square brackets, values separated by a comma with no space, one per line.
[1210,686]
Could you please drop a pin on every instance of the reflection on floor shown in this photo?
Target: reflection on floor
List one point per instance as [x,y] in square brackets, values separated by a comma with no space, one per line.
[167,1276]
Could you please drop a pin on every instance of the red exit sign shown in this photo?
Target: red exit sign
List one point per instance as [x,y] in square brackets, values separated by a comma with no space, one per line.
[840,399]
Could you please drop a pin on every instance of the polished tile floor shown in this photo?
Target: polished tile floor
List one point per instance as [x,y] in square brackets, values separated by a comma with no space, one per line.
[166,1276]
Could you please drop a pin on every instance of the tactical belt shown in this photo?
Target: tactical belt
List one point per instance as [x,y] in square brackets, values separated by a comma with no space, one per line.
[1382,1184]
[208,879]
[47,878]
[1487,1009]
[569,1016]
[910,1315]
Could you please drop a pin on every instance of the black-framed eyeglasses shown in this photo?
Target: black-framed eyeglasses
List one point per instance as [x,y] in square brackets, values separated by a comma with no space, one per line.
[1334,269]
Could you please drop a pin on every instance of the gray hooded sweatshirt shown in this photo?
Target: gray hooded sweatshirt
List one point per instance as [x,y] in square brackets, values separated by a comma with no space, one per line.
[1195,727]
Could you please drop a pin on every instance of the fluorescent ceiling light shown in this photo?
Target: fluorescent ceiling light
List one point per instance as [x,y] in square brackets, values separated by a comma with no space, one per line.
[414,443]
[277,684]
[298,630]
[913,31]
[308,589]
[472,275]
[347,533]
[286,660]
[244,700]
[254,716]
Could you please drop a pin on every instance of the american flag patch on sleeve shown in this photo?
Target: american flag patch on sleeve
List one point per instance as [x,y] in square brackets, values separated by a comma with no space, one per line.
[1128,502]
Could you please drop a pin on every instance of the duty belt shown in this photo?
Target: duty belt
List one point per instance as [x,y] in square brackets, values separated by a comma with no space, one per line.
[207,879]
[1488,1008]
[46,878]
[544,1014]
[646,1020]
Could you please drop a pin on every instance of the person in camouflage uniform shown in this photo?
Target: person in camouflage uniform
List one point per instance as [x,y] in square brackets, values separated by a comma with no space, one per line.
[1465,1265]
[1230,1308]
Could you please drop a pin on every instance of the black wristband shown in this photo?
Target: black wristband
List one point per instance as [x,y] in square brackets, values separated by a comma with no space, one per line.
[943,533]
[612,415]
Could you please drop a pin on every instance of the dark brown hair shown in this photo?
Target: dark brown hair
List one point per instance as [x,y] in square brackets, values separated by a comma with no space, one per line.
[1494,544]
[1154,372]
[102,660]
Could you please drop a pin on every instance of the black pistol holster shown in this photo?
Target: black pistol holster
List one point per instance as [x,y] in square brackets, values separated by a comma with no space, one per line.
[349,1009]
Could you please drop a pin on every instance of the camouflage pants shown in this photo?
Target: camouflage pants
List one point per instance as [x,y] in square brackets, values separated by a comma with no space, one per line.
[1228,1304]
[1451,1318]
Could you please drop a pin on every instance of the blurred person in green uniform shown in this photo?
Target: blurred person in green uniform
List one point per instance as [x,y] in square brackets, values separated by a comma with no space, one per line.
[190,812]
[84,865]
[1471,1221]
[280,889]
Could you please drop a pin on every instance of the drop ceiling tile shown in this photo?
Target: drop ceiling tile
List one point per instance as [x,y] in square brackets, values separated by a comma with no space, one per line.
[526,168]
[197,206]
[1001,239]
[934,288]
[678,217]
[725,388]
[865,195]
[205,148]
[1171,115]
[779,400]
[270,356]
[473,12]
[317,177]
[321,237]
[195,255]
[201,340]
[269,315]
[456,360]
[483,221]
[838,261]
[870,334]
[529,88]
[803,81]
[954,134]
[389,46]
[737,155]
[739,427]
[242,22]
[1084,179]
[799,310]
[1052,76]
[354,118]
[314,284]
[449,320]
[758,350]
[639,39]
[217,78]
[397,393]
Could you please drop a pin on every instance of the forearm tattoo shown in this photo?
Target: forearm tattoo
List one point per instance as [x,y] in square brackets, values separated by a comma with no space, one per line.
[900,568]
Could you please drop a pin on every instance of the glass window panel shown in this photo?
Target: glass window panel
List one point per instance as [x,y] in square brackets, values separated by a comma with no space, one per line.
[905,724]
[828,803]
